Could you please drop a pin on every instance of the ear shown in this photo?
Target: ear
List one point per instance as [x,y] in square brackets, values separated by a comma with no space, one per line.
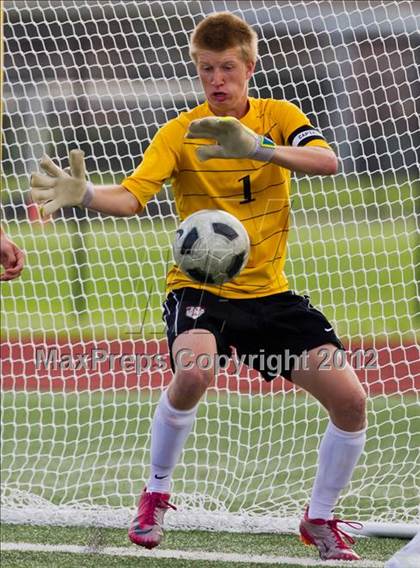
[250,68]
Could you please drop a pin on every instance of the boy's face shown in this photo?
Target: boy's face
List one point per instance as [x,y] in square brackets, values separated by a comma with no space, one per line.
[225,76]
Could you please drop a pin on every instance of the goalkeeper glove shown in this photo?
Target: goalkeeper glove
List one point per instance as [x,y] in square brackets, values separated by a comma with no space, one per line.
[61,188]
[234,140]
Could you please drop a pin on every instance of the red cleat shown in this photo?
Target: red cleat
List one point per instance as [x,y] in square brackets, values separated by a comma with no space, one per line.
[146,527]
[328,538]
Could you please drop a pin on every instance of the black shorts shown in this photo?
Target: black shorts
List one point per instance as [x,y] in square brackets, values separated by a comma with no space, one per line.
[268,333]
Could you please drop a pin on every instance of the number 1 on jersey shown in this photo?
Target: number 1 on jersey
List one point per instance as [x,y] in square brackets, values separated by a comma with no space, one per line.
[247,190]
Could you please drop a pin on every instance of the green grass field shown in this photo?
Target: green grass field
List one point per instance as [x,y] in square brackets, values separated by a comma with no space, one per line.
[361,275]
[351,247]
[265,545]
[92,448]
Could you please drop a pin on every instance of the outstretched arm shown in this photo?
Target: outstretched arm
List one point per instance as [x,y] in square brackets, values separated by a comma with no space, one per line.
[114,200]
[61,189]
[234,140]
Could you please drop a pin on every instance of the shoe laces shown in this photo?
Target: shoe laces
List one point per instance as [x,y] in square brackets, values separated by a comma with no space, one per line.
[149,504]
[339,534]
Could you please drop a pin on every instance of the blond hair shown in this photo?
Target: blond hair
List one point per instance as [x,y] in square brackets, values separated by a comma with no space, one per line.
[224,30]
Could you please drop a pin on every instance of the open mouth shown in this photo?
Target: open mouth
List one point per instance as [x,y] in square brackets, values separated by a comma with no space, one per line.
[219,95]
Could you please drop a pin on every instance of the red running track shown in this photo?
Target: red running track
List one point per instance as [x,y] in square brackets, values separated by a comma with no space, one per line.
[396,367]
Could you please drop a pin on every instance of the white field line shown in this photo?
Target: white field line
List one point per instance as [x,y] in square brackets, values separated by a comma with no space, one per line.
[184,555]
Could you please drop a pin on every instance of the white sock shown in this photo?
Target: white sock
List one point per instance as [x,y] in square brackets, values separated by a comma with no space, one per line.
[339,453]
[170,429]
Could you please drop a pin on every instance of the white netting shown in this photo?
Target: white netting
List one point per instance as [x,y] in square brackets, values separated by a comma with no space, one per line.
[102,76]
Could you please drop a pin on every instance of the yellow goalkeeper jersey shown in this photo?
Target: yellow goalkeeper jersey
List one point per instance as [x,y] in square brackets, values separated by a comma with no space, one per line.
[257,193]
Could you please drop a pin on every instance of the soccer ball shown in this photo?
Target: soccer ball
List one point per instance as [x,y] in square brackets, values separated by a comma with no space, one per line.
[211,246]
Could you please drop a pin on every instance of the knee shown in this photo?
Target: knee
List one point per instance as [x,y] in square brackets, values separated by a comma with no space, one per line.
[188,386]
[350,414]
[195,378]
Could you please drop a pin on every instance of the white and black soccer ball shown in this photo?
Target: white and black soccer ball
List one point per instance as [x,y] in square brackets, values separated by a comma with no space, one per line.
[211,246]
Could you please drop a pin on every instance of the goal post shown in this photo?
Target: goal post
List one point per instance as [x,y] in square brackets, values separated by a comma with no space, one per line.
[84,356]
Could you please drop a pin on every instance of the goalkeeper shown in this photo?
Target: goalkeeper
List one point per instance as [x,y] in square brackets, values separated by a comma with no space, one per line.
[235,153]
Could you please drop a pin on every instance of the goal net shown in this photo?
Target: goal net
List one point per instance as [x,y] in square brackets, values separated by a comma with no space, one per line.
[82,327]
